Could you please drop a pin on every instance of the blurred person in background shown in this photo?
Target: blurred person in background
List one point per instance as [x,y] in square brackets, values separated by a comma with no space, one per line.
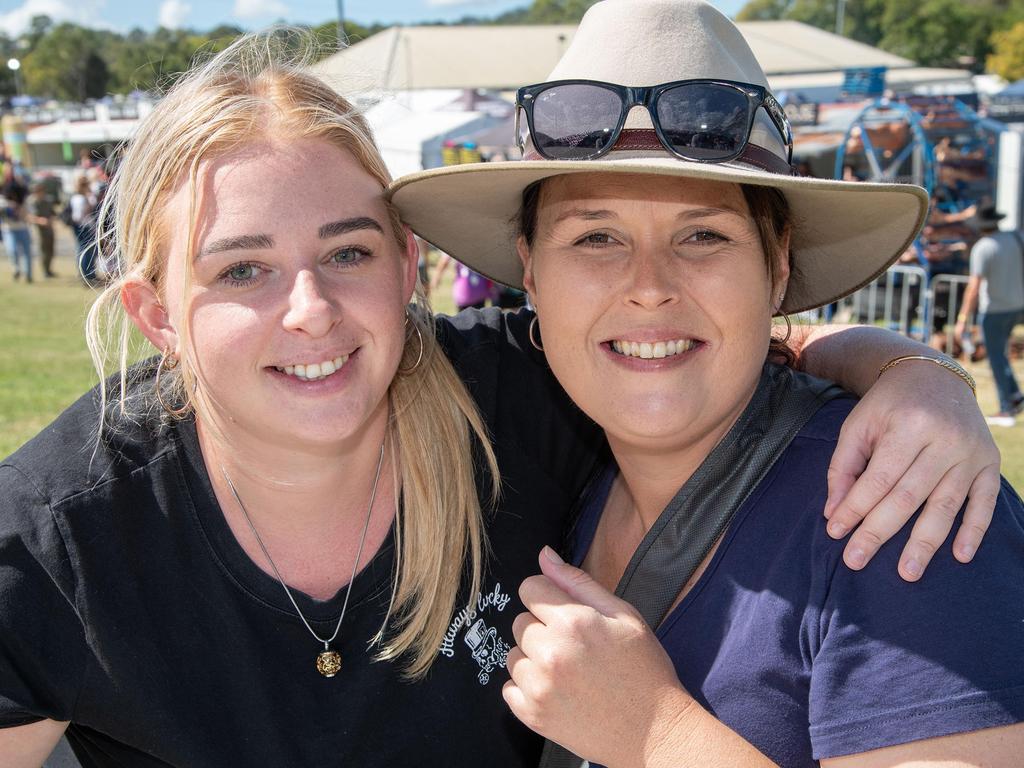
[84,208]
[42,209]
[470,290]
[996,291]
[14,222]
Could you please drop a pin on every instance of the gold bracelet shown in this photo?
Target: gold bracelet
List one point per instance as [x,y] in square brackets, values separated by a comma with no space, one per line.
[950,365]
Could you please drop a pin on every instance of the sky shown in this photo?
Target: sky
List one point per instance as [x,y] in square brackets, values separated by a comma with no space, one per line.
[123,15]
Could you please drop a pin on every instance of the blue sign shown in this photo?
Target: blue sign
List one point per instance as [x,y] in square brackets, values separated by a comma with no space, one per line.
[864,82]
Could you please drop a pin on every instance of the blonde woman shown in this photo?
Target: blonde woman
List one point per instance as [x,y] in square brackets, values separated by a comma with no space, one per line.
[274,552]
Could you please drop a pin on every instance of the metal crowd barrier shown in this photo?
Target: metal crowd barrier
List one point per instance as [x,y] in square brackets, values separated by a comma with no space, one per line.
[952,303]
[897,300]
[903,300]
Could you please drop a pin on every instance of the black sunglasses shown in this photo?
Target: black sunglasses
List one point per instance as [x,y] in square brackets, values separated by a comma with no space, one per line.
[706,121]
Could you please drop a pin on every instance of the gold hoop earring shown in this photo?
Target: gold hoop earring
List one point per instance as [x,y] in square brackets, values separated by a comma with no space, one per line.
[167,362]
[419,335]
[789,332]
[533,341]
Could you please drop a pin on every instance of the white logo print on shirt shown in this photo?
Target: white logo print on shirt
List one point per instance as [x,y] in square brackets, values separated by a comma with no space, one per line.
[485,646]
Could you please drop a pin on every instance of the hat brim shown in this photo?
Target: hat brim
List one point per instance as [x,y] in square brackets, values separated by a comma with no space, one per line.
[845,234]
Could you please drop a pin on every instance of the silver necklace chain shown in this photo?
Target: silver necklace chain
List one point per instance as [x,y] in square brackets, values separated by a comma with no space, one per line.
[277,573]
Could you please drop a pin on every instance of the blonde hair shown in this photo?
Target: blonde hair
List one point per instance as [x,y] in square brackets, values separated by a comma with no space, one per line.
[252,89]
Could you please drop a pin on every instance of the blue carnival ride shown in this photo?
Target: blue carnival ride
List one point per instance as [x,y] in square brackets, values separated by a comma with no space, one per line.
[939,143]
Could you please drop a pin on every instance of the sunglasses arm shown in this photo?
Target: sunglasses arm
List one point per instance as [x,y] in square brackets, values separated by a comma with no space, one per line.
[778,116]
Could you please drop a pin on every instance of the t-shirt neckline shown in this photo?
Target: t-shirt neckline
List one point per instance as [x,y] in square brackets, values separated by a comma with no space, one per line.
[248,576]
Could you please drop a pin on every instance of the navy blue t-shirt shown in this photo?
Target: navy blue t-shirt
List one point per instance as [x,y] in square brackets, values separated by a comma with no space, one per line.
[807,659]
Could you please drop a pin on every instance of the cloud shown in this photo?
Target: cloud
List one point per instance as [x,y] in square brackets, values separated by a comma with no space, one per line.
[252,9]
[173,13]
[84,12]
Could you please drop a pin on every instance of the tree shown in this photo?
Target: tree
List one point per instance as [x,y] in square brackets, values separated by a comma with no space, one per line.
[8,48]
[1007,57]
[514,16]
[226,31]
[66,64]
[862,19]
[817,13]
[38,28]
[134,64]
[938,32]
[169,53]
[930,32]
[764,10]
[557,11]
[326,35]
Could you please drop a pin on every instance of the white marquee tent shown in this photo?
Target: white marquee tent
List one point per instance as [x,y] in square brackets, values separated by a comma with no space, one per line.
[794,55]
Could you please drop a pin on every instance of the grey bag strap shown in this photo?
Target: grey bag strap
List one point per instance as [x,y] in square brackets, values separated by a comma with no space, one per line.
[700,512]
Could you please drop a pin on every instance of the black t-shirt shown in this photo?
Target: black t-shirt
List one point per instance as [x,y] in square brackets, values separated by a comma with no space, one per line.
[14,194]
[14,191]
[128,607]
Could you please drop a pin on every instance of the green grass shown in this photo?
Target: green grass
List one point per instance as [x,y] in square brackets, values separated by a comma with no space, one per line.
[44,365]
[1009,439]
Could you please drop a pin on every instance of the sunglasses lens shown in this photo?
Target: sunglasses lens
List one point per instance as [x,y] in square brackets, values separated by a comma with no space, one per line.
[574,121]
[704,121]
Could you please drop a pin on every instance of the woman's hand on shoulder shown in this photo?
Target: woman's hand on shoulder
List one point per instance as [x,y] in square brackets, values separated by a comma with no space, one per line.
[916,437]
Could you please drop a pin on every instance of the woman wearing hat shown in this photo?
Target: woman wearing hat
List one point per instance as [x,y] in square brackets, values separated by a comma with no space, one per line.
[253,549]
[657,243]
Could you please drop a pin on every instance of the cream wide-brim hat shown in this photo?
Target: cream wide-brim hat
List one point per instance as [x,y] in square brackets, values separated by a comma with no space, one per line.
[845,234]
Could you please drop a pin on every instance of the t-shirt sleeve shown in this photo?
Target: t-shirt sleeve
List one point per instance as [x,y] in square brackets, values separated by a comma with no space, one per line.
[42,638]
[899,662]
[981,255]
[522,402]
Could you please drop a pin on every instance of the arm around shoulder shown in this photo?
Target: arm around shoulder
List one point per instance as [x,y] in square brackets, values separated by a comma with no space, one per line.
[895,451]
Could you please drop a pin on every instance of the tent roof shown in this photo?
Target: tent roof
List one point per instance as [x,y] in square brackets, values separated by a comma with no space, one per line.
[791,47]
[506,57]
[81,132]
[402,123]
[494,57]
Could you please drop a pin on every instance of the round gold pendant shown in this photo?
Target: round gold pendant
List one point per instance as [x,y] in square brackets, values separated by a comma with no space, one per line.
[328,663]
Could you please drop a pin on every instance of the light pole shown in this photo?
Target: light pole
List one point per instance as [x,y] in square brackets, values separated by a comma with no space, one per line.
[14,65]
[840,15]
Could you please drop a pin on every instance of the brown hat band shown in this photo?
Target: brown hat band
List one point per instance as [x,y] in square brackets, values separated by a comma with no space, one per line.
[647,139]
